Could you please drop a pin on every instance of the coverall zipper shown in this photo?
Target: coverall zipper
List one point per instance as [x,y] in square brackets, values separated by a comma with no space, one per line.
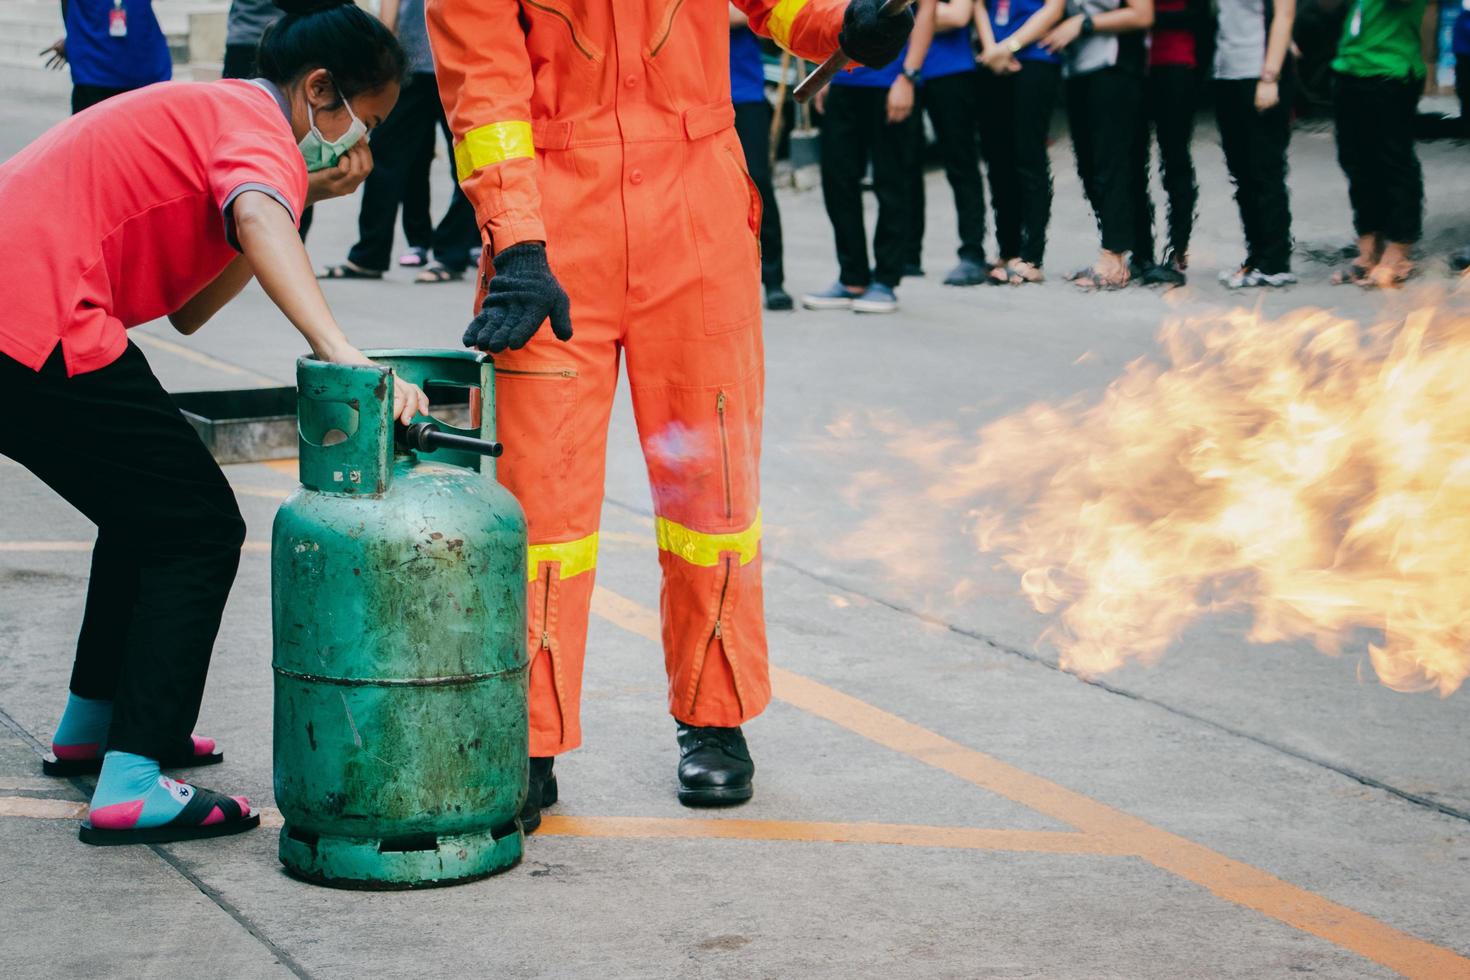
[668,29]
[571,28]
[719,632]
[725,455]
[546,611]
[550,373]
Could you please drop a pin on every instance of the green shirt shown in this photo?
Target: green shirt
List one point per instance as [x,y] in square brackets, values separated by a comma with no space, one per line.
[1381,39]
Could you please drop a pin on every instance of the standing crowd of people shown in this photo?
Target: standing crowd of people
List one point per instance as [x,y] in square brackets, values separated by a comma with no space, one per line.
[989,75]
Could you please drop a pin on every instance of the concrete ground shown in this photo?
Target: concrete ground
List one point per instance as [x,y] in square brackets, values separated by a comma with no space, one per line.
[934,800]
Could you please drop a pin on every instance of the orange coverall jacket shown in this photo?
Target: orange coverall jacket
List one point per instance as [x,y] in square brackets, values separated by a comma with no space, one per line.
[604,128]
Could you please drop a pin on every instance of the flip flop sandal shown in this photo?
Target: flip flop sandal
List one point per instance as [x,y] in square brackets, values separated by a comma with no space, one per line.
[1351,274]
[438,273]
[52,766]
[1089,280]
[208,814]
[345,271]
[1018,272]
[999,275]
[414,258]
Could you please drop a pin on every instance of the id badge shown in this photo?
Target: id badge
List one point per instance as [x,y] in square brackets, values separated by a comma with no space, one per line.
[1003,12]
[1356,27]
[117,20]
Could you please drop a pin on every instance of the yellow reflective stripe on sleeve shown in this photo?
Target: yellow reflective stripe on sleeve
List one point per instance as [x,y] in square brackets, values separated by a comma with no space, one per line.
[698,548]
[576,557]
[495,143]
[783,18]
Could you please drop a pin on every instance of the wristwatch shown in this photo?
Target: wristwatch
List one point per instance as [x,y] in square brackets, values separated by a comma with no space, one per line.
[912,74]
[1013,46]
[1087,26]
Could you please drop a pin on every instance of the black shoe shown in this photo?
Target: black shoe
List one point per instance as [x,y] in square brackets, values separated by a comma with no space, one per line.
[778,299]
[714,766]
[540,792]
[1460,261]
[967,273]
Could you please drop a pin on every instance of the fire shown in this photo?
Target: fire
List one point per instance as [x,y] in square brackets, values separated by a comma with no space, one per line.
[1309,472]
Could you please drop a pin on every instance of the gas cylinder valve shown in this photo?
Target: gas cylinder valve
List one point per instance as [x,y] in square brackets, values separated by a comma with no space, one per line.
[426,437]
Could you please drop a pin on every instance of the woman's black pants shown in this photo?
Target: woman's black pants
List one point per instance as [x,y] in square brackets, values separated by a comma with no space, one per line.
[1104,111]
[1169,118]
[168,538]
[1255,152]
[1015,120]
[1375,148]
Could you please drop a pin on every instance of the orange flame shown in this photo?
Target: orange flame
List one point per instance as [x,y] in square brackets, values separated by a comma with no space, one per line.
[1308,471]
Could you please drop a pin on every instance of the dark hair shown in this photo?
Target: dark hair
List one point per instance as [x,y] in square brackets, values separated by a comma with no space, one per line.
[359,51]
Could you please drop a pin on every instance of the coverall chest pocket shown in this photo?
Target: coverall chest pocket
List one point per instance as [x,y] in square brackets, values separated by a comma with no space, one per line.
[574,23]
[725,209]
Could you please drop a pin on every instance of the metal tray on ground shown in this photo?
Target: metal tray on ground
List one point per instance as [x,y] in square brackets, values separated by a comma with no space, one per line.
[252,425]
[244,425]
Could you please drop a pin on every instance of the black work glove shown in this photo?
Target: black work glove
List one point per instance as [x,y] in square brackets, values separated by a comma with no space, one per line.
[871,39]
[521,296]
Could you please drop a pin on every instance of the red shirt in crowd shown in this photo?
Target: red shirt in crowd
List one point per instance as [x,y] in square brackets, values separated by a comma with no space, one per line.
[119,215]
[1171,45]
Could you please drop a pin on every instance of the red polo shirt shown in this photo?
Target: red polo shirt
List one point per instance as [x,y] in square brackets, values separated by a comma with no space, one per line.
[120,214]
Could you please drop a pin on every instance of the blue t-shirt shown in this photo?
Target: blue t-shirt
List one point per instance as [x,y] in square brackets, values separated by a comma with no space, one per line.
[138,58]
[1006,18]
[1462,31]
[949,54]
[862,77]
[747,71]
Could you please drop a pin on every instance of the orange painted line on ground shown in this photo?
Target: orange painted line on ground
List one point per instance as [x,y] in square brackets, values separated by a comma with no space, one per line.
[287,466]
[906,835]
[1123,833]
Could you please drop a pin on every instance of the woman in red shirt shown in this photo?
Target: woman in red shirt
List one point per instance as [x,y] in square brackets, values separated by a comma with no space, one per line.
[172,198]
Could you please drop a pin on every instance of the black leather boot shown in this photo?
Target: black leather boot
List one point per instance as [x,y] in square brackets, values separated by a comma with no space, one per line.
[714,766]
[540,793]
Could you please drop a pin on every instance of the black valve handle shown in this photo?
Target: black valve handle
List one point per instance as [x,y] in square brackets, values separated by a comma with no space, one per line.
[425,437]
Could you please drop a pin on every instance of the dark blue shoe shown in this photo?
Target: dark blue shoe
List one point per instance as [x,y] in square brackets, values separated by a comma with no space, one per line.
[878,299]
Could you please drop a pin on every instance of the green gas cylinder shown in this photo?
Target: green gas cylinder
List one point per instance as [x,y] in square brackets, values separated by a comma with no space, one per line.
[398,600]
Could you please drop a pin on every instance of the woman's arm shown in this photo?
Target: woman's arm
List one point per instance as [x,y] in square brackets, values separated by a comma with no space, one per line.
[1039,23]
[1278,43]
[269,239]
[1133,15]
[954,15]
[203,305]
[901,93]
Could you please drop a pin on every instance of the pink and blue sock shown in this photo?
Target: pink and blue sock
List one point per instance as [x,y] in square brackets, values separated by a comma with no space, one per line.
[83,729]
[133,793]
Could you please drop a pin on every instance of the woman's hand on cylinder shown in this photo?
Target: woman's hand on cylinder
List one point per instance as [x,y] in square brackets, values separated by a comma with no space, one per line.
[409,399]
[342,179]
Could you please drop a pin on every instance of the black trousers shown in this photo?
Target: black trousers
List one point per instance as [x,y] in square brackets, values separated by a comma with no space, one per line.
[168,539]
[399,145]
[1168,117]
[1015,122]
[1255,153]
[1104,111]
[753,126]
[240,63]
[952,106]
[855,129]
[86,96]
[1375,148]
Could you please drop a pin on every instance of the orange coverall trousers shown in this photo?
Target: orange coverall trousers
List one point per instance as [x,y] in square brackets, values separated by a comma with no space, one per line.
[604,128]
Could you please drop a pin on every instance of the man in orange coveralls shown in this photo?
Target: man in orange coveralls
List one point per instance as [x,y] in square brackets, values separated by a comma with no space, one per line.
[596,140]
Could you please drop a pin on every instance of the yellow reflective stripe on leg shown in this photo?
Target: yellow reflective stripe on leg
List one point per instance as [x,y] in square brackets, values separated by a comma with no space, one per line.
[698,548]
[576,557]
[495,143]
[783,18]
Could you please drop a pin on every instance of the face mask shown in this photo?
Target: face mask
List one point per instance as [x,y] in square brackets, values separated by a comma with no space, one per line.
[318,151]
